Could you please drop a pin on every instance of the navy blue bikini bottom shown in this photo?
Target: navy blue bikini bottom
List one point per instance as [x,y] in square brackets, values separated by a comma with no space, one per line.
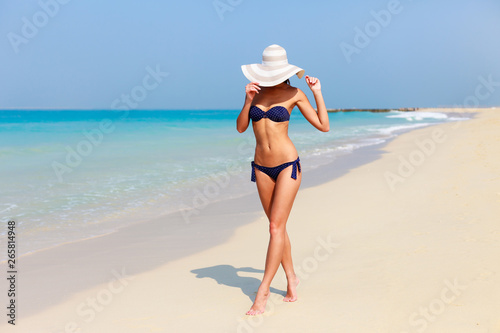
[275,171]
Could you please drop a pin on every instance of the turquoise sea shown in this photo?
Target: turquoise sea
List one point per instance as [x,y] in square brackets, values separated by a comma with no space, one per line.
[69,175]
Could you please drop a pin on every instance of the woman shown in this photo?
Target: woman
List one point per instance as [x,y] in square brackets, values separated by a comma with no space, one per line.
[276,166]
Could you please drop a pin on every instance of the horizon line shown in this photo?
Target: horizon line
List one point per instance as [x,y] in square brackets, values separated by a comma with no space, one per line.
[210,109]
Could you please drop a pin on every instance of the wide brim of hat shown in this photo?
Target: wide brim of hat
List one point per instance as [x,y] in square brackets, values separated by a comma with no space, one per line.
[268,76]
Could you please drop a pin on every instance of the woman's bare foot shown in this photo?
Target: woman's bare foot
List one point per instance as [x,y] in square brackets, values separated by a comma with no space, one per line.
[259,306]
[291,290]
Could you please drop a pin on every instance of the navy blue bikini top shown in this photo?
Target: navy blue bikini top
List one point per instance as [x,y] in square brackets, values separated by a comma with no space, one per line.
[276,113]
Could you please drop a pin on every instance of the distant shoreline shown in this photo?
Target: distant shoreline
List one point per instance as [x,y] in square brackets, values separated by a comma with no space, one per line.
[372,110]
[446,109]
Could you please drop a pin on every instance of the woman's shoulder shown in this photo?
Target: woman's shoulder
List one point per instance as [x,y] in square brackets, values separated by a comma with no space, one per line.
[291,90]
[297,93]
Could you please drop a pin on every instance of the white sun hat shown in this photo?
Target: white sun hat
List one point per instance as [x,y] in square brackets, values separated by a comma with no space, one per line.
[274,68]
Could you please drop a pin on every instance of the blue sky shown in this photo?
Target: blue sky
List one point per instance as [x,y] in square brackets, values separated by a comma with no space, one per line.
[89,54]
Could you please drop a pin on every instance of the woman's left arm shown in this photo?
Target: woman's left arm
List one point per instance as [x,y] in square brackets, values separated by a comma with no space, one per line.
[317,119]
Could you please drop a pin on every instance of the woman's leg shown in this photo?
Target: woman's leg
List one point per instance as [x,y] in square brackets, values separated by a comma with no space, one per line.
[266,192]
[277,200]
[292,280]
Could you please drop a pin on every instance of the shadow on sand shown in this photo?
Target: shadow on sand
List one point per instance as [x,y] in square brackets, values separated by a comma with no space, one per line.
[228,276]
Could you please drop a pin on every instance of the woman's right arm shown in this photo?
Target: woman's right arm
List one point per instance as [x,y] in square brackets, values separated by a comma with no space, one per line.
[243,119]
